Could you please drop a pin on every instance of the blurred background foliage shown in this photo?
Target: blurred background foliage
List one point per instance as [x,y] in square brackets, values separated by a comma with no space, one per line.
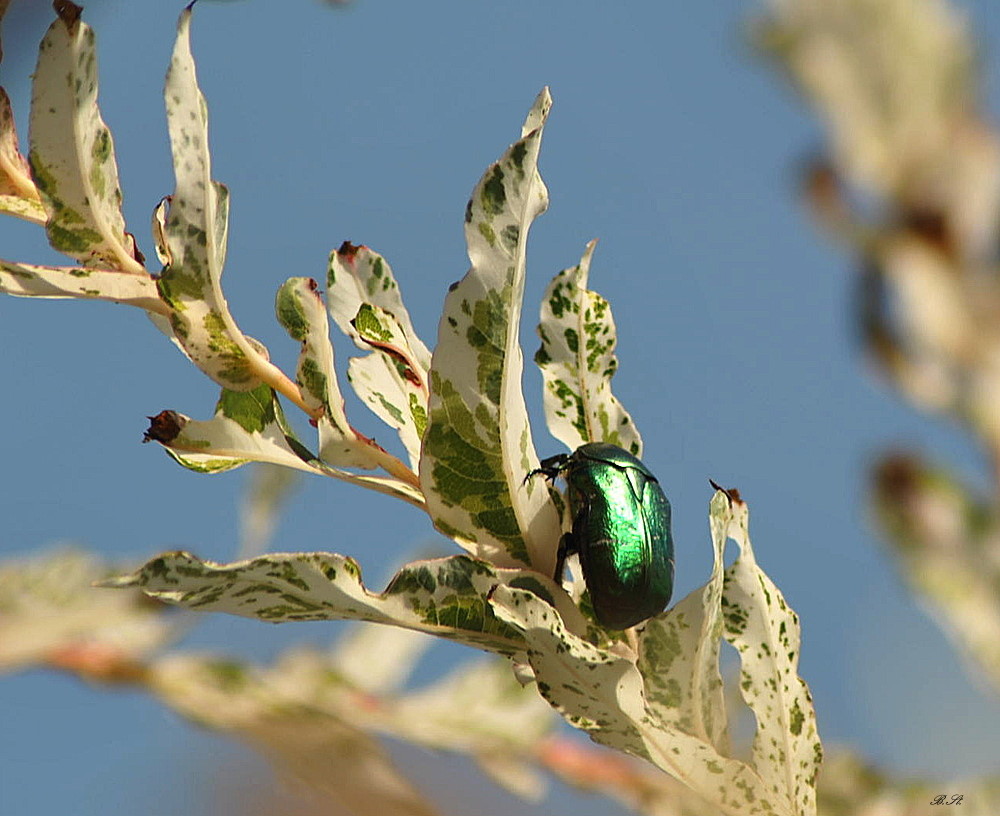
[903,172]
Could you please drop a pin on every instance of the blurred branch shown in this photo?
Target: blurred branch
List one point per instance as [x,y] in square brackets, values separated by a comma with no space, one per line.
[910,183]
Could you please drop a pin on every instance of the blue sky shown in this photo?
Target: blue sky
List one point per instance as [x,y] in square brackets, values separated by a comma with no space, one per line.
[672,143]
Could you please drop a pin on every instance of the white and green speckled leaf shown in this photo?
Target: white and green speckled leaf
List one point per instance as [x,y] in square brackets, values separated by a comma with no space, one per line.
[18,194]
[477,448]
[602,692]
[250,426]
[679,657]
[72,154]
[389,381]
[765,631]
[444,597]
[131,288]
[393,380]
[301,311]
[357,275]
[595,689]
[577,361]
[195,233]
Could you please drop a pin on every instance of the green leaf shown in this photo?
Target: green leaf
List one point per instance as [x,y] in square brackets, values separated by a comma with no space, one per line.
[577,361]
[300,310]
[72,153]
[393,379]
[32,280]
[765,631]
[477,447]
[445,597]
[195,233]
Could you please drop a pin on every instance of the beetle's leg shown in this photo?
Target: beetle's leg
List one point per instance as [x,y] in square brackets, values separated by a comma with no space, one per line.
[550,467]
[567,547]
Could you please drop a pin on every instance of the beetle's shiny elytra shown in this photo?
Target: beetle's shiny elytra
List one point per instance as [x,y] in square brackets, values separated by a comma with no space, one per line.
[621,530]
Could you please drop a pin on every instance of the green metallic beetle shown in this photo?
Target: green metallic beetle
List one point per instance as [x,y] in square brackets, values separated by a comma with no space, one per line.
[621,530]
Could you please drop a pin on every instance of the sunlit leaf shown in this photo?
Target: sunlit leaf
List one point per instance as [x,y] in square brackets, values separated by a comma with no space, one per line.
[300,310]
[72,153]
[477,447]
[679,656]
[194,234]
[675,719]
[18,194]
[444,597]
[577,361]
[392,379]
[250,426]
[765,631]
[32,280]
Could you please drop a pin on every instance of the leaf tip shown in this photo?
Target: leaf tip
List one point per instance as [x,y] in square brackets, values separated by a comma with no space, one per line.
[732,493]
[164,427]
[68,12]
[117,581]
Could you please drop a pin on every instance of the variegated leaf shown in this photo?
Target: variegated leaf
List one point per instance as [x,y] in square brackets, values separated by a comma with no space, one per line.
[18,194]
[444,597]
[131,288]
[300,310]
[195,231]
[679,657]
[389,381]
[601,692]
[577,361]
[357,275]
[765,631]
[72,153]
[250,426]
[366,305]
[477,448]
